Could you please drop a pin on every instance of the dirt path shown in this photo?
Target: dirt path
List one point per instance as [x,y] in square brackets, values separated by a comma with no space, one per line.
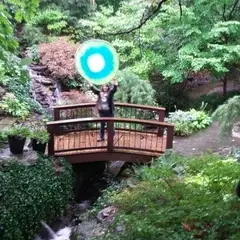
[203,141]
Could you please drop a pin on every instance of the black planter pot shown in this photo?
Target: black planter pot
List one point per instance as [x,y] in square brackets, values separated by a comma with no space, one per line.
[16,144]
[38,147]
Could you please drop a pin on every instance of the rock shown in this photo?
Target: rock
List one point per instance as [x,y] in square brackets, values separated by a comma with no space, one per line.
[39,68]
[2,92]
[80,207]
[88,229]
[119,229]
[115,167]
[28,157]
[226,152]
[236,130]
[40,87]
[107,214]
[46,81]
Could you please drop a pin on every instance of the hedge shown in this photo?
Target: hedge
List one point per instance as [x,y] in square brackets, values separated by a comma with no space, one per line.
[31,194]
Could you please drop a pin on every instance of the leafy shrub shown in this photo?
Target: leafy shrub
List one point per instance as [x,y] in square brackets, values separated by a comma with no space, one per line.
[50,21]
[41,135]
[18,81]
[179,198]
[58,57]
[33,53]
[189,121]
[132,89]
[30,194]
[32,35]
[3,78]
[11,105]
[212,100]
[228,114]
[3,136]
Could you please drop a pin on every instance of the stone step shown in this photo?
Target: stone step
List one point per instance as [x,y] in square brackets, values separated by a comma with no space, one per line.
[7,122]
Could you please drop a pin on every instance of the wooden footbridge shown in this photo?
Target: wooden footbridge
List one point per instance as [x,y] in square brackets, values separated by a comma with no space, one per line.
[140,133]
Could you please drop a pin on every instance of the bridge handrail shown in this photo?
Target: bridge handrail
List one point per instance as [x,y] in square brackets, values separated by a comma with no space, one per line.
[53,129]
[109,119]
[117,104]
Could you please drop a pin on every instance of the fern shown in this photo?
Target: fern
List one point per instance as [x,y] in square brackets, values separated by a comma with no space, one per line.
[228,114]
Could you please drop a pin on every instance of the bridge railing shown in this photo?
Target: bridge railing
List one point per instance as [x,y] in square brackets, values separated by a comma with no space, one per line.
[75,135]
[122,110]
[126,110]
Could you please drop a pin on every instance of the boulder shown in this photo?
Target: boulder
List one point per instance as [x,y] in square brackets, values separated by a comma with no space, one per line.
[107,214]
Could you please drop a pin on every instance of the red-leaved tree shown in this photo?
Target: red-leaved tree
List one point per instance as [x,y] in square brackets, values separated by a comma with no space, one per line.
[58,57]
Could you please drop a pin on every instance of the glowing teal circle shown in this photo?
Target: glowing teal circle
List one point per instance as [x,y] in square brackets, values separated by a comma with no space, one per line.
[107,53]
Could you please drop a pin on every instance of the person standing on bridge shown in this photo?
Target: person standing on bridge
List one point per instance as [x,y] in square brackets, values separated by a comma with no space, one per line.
[105,103]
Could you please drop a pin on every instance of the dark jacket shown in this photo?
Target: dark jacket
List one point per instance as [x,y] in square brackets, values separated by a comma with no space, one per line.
[112,91]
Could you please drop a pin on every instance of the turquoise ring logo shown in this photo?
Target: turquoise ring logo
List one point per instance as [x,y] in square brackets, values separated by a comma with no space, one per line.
[97,61]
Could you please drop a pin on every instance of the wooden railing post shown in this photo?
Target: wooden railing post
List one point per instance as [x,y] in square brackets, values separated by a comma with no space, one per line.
[110,131]
[161,116]
[50,142]
[170,131]
[56,114]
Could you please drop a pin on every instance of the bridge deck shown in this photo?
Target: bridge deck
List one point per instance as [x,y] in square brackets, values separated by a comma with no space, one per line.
[124,141]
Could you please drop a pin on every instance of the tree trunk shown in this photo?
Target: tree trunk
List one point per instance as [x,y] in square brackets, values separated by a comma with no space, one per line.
[225,87]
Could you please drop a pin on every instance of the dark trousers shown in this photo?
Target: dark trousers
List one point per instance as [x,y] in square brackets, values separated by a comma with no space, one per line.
[103,124]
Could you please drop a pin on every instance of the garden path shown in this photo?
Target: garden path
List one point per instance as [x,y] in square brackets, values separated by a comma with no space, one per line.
[205,140]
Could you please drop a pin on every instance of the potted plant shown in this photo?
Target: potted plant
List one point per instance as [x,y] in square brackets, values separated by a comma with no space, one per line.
[16,138]
[39,139]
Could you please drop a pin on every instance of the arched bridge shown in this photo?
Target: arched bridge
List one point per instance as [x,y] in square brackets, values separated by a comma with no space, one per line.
[140,133]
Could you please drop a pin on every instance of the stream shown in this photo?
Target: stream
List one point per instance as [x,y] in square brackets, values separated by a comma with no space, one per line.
[77,221]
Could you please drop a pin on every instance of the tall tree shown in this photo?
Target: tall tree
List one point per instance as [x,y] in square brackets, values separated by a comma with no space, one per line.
[178,38]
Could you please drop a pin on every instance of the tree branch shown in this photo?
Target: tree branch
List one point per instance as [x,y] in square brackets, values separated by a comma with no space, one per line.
[233,9]
[224,11]
[143,20]
[180,7]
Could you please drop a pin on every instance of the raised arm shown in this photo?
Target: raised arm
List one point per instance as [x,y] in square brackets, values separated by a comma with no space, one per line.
[114,86]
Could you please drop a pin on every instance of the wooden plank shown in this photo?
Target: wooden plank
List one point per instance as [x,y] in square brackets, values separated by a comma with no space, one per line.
[123,141]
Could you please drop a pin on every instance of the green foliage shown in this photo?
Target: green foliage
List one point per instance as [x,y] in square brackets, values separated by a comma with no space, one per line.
[212,100]
[22,10]
[32,35]
[132,89]
[50,21]
[170,96]
[180,198]
[3,78]
[11,105]
[33,53]
[176,42]
[18,82]
[228,114]
[3,136]
[189,121]
[31,194]
[13,10]
[41,135]
[77,8]
[18,131]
